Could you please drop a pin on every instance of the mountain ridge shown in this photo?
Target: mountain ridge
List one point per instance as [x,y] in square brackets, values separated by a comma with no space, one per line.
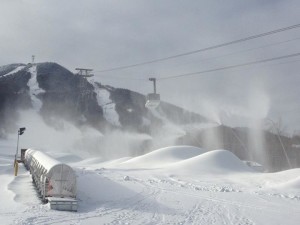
[120,115]
[60,89]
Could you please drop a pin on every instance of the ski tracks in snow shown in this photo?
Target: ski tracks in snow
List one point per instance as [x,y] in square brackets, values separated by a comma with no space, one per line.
[202,210]
[159,199]
[143,208]
[205,213]
[138,209]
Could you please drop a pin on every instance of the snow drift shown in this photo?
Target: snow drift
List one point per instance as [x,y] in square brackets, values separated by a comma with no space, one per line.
[163,157]
[217,161]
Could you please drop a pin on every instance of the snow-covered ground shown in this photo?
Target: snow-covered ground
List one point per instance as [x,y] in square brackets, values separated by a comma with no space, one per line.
[19,68]
[35,89]
[174,185]
[108,106]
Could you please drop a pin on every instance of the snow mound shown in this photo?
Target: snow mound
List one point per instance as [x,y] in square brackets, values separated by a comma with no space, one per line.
[291,184]
[90,161]
[94,190]
[114,162]
[163,157]
[217,161]
[99,163]
[68,158]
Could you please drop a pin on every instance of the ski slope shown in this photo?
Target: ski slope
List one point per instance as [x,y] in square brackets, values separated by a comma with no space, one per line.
[108,106]
[34,89]
[173,185]
[17,69]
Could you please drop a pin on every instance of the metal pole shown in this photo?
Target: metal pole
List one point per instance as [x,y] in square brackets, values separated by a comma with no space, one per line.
[154,83]
[17,146]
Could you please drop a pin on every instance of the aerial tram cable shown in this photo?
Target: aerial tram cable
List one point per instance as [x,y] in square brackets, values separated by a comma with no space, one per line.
[230,67]
[250,49]
[221,68]
[119,78]
[153,99]
[203,49]
[106,76]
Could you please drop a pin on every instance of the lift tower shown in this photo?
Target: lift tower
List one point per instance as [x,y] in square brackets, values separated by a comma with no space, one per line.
[84,93]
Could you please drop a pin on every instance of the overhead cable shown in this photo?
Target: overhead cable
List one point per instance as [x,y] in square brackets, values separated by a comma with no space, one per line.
[203,49]
[230,67]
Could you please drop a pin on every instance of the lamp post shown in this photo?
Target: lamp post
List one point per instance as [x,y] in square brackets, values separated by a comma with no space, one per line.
[20,132]
[16,166]
[281,143]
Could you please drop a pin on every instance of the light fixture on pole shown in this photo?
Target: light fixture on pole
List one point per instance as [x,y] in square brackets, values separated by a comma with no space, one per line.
[20,132]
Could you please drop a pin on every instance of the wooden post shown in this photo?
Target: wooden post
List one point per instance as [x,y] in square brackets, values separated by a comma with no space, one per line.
[16,165]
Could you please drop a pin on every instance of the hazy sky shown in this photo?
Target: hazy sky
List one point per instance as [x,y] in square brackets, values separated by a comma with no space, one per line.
[102,34]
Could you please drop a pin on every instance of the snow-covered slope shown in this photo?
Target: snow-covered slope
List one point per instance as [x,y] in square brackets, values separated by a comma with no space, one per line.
[34,89]
[163,157]
[174,185]
[108,106]
[217,161]
[61,97]
[72,97]
[19,68]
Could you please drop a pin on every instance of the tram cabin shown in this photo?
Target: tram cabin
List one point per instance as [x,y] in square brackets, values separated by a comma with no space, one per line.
[153,100]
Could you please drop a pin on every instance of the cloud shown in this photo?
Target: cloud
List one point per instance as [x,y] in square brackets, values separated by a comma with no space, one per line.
[105,34]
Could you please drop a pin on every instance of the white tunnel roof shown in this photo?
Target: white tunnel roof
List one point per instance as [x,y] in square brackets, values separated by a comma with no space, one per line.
[61,178]
[47,161]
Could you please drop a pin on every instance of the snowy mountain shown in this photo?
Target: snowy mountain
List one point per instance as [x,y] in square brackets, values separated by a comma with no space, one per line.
[119,179]
[50,89]
[100,118]
[60,97]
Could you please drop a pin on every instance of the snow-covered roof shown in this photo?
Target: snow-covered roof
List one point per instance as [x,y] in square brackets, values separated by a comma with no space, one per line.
[61,177]
[47,161]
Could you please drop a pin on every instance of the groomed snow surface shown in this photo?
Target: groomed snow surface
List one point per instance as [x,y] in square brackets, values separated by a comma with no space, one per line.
[108,106]
[173,185]
[34,88]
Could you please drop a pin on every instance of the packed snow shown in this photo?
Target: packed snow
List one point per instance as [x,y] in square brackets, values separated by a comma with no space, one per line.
[109,111]
[162,157]
[173,185]
[34,89]
[19,68]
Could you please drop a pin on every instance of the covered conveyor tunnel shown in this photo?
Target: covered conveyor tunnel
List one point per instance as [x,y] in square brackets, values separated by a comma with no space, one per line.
[55,181]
